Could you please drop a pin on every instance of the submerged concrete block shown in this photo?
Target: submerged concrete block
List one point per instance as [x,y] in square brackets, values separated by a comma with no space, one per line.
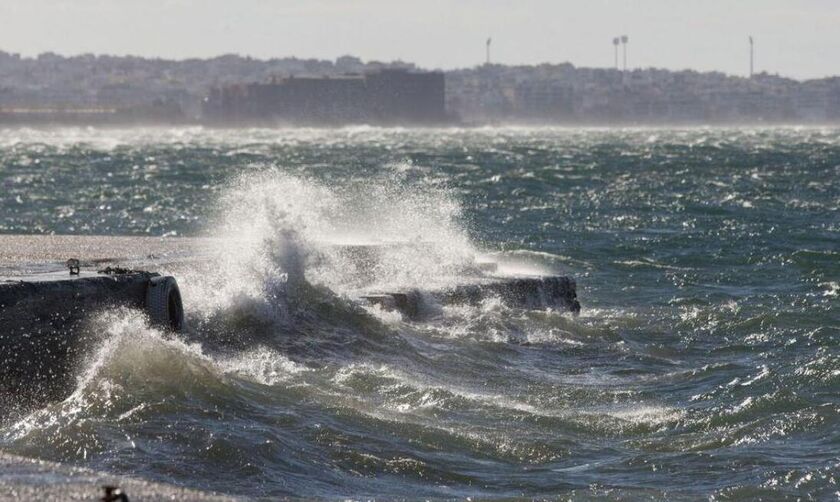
[522,292]
[408,303]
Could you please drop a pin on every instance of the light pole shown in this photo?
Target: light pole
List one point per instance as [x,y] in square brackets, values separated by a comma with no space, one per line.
[615,46]
[752,55]
[487,47]
[624,40]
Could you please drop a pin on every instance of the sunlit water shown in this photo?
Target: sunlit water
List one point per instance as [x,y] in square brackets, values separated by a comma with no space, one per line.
[706,360]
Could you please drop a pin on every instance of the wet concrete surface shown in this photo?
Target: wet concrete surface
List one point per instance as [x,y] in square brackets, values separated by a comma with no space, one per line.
[29,479]
[31,254]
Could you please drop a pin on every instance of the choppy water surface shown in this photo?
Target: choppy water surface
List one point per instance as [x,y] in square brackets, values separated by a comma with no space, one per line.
[706,360]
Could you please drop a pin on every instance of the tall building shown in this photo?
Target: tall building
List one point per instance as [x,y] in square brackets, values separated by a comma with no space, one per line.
[385,96]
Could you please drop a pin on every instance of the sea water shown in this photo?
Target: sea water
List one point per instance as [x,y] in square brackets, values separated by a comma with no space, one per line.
[705,361]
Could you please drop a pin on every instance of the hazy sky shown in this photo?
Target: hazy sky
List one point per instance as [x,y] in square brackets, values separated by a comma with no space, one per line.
[798,38]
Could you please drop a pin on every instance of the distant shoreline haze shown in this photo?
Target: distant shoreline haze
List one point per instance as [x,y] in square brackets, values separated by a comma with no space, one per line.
[103,89]
[353,60]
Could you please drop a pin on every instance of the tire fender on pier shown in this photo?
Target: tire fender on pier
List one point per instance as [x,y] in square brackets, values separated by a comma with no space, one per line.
[163,303]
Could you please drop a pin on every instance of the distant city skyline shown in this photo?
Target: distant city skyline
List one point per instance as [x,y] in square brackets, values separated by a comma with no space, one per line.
[793,38]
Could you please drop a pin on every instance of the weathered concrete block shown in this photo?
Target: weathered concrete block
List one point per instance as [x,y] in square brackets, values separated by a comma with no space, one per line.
[522,292]
[41,335]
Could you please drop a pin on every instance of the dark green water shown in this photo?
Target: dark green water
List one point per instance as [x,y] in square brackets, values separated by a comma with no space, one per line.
[706,360]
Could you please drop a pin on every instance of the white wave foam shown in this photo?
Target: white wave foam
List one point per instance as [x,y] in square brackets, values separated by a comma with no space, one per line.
[646,414]
[129,351]
[390,390]
[265,366]
[134,367]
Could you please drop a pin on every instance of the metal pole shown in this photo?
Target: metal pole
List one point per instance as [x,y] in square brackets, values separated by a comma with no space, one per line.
[625,56]
[752,55]
[615,50]
[624,40]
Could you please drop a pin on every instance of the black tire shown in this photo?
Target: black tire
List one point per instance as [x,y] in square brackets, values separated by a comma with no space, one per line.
[163,303]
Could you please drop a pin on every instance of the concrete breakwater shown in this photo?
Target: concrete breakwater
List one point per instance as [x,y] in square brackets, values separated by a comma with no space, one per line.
[43,309]
[26,254]
[524,292]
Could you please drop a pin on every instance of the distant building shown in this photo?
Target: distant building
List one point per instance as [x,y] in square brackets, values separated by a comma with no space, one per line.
[385,96]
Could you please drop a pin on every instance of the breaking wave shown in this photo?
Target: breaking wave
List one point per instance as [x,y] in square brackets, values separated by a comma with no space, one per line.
[691,355]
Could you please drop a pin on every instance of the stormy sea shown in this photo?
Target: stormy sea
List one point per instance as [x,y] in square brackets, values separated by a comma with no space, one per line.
[705,361]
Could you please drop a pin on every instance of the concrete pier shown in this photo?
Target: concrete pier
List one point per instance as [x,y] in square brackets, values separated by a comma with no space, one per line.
[42,333]
[41,326]
[28,254]
[43,309]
